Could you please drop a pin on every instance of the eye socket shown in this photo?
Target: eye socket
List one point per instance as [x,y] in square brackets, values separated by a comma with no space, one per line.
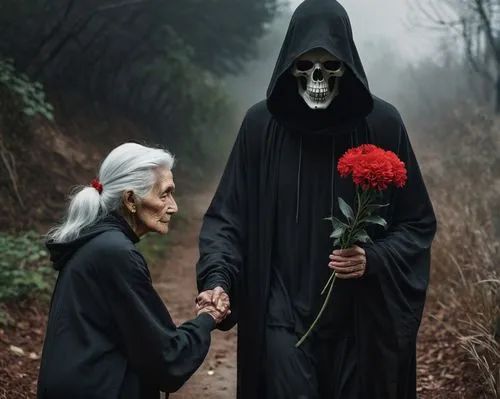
[167,193]
[332,65]
[304,65]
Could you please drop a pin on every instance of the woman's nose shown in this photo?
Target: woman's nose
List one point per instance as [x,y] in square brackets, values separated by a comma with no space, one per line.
[173,206]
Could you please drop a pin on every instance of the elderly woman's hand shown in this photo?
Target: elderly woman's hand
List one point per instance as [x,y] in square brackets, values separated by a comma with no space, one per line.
[216,297]
[215,302]
[212,311]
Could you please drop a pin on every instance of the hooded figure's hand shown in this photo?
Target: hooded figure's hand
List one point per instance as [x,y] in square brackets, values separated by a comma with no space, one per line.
[348,263]
[215,299]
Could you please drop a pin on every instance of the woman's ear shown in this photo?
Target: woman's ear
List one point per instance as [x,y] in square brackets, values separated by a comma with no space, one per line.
[130,202]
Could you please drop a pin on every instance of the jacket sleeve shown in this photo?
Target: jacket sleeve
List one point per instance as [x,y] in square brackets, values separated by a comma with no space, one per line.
[400,260]
[222,241]
[164,355]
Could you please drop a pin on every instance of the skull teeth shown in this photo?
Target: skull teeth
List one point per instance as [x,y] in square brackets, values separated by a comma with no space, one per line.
[318,93]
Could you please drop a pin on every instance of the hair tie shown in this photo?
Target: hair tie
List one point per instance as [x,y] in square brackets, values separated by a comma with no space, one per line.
[97,185]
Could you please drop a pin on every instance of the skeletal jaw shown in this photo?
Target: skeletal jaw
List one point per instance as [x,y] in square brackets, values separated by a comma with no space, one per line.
[318,92]
[319,95]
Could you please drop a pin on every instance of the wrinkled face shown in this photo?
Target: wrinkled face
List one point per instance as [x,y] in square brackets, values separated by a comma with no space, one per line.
[318,73]
[153,213]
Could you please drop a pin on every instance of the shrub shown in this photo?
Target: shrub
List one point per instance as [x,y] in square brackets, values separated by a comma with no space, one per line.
[464,184]
[24,267]
[29,96]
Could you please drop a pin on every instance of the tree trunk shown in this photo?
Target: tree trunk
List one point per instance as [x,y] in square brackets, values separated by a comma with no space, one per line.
[497,94]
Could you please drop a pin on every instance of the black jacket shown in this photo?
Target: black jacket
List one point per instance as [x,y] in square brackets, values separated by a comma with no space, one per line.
[268,213]
[109,334]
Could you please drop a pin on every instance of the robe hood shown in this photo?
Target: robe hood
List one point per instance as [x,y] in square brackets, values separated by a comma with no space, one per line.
[62,252]
[319,24]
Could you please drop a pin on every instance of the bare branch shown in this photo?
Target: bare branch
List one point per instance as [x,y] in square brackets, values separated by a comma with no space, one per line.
[488,28]
[9,163]
[125,4]
[438,17]
[71,3]
[467,37]
[122,4]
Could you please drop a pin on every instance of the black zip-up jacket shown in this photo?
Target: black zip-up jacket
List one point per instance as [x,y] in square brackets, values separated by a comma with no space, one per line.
[109,334]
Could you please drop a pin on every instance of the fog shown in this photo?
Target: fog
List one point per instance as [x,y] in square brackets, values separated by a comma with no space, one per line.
[386,35]
[390,21]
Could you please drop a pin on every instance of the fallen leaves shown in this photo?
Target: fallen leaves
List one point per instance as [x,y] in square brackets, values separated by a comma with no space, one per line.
[20,348]
[16,350]
[443,369]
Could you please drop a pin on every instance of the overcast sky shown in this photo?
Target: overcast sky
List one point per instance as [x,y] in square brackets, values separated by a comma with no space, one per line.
[375,19]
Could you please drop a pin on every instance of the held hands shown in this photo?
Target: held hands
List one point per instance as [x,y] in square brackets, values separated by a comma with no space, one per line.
[348,263]
[214,302]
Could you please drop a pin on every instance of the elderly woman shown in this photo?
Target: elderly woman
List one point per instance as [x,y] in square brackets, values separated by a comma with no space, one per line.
[109,335]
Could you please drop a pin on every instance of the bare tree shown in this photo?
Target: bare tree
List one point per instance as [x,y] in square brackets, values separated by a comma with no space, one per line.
[476,25]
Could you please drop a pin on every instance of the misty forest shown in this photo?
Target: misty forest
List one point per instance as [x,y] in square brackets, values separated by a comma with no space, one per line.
[79,77]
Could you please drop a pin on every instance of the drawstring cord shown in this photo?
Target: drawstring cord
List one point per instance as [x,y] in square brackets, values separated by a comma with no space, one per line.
[298,182]
[332,181]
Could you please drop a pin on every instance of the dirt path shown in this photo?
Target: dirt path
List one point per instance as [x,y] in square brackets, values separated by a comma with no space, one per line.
[176,283]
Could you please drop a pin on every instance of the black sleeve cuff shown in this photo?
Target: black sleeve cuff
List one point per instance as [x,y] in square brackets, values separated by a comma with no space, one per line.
[206,321]
[216,282]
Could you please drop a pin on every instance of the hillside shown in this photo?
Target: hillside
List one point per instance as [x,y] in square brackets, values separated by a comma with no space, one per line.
[42,163]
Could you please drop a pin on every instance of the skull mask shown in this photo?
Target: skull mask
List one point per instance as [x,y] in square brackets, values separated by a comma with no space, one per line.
[318,73]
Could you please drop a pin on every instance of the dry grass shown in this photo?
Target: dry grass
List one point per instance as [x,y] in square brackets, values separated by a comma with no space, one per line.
[460,169]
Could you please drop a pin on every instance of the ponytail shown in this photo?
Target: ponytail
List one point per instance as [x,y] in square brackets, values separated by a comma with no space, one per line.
[85,208]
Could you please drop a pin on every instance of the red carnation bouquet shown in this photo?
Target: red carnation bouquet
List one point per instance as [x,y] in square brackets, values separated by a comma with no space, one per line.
[373,170]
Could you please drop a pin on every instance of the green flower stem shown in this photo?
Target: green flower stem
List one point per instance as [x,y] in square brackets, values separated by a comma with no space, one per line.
[318,316]
[362,200]
[328,283]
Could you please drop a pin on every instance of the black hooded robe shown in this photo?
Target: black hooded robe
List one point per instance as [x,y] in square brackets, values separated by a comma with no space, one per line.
[265,241]
[109,334]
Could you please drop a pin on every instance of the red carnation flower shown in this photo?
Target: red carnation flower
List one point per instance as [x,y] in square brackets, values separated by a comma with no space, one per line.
[348,160]
[398,169]
[372,167]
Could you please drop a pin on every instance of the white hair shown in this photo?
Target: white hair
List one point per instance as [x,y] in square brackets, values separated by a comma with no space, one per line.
[129,166]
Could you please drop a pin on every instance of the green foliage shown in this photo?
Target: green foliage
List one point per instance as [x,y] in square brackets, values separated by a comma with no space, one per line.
[376,220]
[5,318]
[190,99]
[30,95]
[24,267]
[346,210]
[347,234]
[209,129]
